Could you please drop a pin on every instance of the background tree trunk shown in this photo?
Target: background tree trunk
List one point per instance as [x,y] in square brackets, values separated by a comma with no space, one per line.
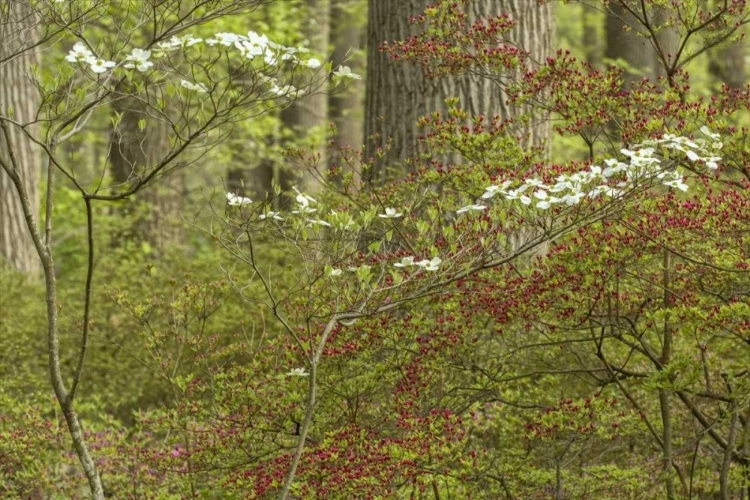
[591,38]
[134,152]
[398,93]
[727,65]
[628,46]
[668,40]
[345,108]
[19,100]
[626,43]
[253,182]
[307,117]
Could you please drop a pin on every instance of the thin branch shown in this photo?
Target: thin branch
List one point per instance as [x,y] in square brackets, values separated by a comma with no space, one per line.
[86,300]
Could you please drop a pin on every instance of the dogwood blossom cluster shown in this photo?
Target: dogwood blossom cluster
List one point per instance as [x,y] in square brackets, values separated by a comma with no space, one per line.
[642,165]
[304,201]
[252,46]
[613,180]
[82,54]
[198,87]
[426,264]
[270,215]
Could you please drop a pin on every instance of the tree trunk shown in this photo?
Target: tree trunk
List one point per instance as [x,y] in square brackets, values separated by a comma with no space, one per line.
[626,41]
[590,38]
[345,108]
[252,182]
[398,93]
[138,143]
[624,44]
[667,41]
[727,65]
[19,100]
[307,117]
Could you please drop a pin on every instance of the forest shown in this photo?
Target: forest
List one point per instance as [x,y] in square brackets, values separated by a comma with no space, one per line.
[374,249]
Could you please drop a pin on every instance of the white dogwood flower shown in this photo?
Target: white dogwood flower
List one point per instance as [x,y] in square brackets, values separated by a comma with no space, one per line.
[390,213]
[139,59]
[430,265]
[101,65]
[468,208]
[270,215]
[405,262]
[79,53]
[346,72]
[198,87]
[237,201]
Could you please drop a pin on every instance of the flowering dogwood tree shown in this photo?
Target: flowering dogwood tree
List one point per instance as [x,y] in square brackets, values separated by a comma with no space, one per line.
[359,261]
[643,268]
[182,81]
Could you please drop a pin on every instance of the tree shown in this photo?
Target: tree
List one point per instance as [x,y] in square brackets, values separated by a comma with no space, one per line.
[661,259]
[645,43]
[69,97]
[320,325]
[19,100]
[139,136]
[364,263]
[346,108]
[301,124]
[629,45]
[399,93]
[728,64]
[307,117]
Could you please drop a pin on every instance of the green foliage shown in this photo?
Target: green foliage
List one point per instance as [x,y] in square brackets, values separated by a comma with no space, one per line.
[392,344]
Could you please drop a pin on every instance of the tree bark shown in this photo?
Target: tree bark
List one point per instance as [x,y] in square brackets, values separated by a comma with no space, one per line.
[624,43]
[253,182]
[628,40]
[307,116]
[590,39]
[727,65]
[133,151]
[19,101]
[667,43]
[345,108]
[398,93]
